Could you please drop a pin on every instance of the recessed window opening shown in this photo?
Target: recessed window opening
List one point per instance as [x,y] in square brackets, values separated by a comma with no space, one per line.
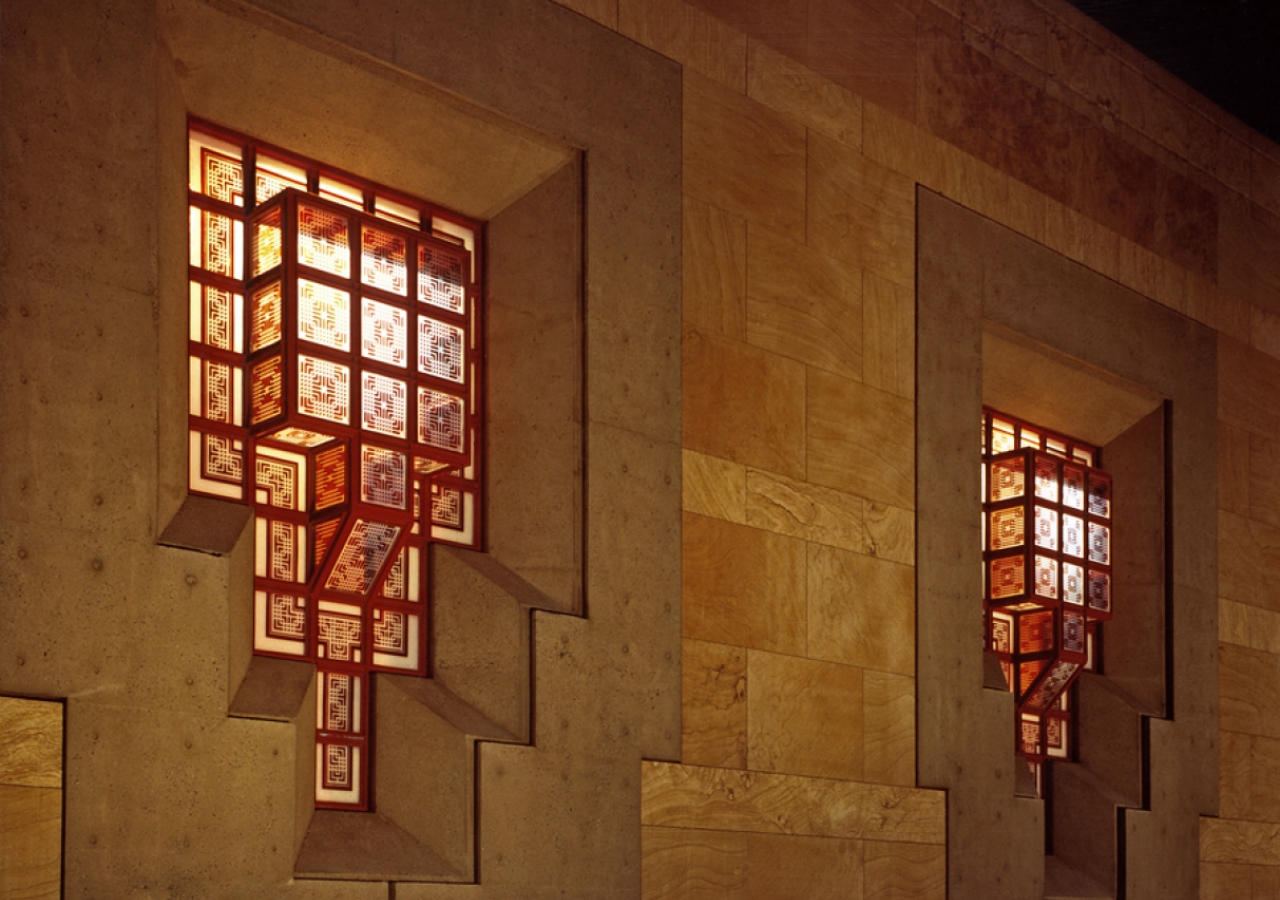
[336,355]
[1047,518]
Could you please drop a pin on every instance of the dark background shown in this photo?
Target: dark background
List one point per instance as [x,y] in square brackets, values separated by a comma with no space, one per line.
[1228,50]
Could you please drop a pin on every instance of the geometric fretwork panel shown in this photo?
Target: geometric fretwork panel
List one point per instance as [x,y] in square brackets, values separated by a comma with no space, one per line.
[335,348]
[1047,558]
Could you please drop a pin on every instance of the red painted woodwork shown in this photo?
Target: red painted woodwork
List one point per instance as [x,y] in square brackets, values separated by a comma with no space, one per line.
[1047,562]
[336,356]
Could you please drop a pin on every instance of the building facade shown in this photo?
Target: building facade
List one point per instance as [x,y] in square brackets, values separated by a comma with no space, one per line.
[752,271]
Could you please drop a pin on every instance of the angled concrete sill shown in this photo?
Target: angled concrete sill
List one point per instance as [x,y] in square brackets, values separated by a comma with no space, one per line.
[368,847]
[207,525]
[272,689]
[453,709]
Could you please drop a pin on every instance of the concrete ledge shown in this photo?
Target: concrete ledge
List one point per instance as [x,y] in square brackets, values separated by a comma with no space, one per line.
[207,525]
[272,689]
[367,847]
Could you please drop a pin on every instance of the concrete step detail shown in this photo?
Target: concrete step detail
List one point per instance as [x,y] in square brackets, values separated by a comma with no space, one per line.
[1061,882]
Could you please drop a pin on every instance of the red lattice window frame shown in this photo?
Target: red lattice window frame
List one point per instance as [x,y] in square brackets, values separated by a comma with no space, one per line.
[1047,560]
[336,363]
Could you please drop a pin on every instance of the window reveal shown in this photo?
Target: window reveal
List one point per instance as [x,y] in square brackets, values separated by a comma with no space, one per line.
[335,362]
[1047,560]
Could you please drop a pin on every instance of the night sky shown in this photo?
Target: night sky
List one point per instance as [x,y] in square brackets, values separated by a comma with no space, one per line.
[1228,50]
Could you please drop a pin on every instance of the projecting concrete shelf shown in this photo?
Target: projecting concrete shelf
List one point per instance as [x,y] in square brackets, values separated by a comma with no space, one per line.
[1061,882]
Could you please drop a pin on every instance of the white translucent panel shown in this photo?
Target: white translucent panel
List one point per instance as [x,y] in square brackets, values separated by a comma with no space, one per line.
[339,632]
[1073,586]
[274,175]
[1046,693]
[1046,528]
[1073,487]
[1099,496]
[266,389]
[384,261]
[440,349]
[1001,632]
[280,622]
[280,550]
[1056,738]
[466,533]
[216,243]
[218,392]
[339,705]
[396,639]
[1099,544]
[341,192]
[280,478]
[338,780]
[1073,536]
[324,389]
[324,241]
[393,581]
[300,437]
[1002,436]
[212,165]
[469,472]
[364,552]
[1073,632]
[383,477]
[1007,528]
[268,242]
[414,575]
[440,420]
[324,315]
[215,465]
[1007,577]
[1029,734]
[464,234]
[1100,591]
[384,405]
[392,211]
[266,312]
[1083,456]
[195,385]
[1008,479]
[384,332]
[441,282]
[195,311]
[215,316]
[1046,577]
[1046,479]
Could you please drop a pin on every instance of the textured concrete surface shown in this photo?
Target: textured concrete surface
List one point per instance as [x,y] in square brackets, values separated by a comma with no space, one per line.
[166,793]
[972,270]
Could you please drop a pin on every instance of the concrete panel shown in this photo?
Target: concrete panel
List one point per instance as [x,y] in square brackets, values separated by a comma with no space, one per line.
[535,388]
[971,269]
[165,792]
[1135,654]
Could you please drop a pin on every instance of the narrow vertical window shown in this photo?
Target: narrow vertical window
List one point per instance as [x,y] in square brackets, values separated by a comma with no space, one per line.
[335,381]
[1046,516]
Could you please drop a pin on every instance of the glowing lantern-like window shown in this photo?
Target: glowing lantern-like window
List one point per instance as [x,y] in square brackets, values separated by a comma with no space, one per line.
[335,352]
[1047,554]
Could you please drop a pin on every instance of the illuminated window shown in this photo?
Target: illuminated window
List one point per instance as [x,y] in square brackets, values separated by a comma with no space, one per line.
[335,350]
[1047,559]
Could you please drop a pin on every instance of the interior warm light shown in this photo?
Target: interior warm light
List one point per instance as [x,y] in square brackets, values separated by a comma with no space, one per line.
[1047,557]
[341,401]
